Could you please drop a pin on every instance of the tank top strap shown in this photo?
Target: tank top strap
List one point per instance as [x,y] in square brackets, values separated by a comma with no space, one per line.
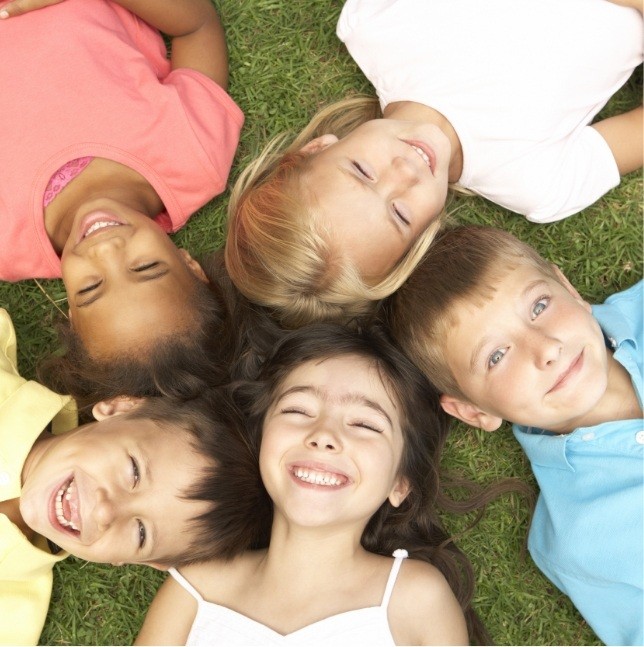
[185,584]
[399,555]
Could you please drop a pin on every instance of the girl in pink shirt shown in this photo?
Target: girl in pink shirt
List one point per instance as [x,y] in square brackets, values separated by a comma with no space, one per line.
[108,146]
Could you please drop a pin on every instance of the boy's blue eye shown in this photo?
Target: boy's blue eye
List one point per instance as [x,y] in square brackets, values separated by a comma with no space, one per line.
[495,358]
[136,473]
[539,306]
[142,534]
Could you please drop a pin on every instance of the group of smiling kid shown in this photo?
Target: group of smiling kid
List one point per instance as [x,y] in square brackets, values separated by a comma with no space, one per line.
[285,493]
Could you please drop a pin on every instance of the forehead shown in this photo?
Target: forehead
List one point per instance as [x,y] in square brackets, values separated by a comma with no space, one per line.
[333,377]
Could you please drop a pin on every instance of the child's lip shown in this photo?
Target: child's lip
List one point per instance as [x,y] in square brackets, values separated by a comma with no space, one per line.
[89,224]
[573,369]
[431,155]
[312,468]
[65,484]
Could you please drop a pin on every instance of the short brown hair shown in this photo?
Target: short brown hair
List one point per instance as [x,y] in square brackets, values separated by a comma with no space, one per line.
[463,265]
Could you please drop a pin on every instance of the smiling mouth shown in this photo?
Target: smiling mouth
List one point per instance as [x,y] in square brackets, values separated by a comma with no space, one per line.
[64,502]
[572,370]
[425,153]
[318,477]
[101,224]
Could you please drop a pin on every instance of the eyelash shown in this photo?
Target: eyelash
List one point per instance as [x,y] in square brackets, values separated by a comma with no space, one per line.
[301,412]
[136,473]
[538,302]
[361,171]
[89,288]
[491,363]
[367,425]
[400,215]
[146,266]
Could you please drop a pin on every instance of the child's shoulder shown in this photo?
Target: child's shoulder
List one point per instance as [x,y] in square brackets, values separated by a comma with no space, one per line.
[423,607]
[219,574]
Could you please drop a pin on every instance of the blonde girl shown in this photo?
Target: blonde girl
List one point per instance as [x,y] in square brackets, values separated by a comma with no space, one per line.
[495,97]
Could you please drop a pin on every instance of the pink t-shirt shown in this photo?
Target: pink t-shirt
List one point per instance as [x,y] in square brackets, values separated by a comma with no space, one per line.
[88,78]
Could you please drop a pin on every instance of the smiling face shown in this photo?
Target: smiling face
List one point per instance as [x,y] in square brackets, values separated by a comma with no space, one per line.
[125,278]
[111,491]
[332,444]
[532,354]
[378,188]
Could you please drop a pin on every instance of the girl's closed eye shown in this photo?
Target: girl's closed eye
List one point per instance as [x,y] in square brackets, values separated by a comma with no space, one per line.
[400,216]
[539,306]
[145,266]
[90,288]
[367,423]
[362,170]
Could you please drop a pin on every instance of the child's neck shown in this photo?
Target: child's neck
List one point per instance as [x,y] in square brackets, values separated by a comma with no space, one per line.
[619,401]
[414,111]
[102,178]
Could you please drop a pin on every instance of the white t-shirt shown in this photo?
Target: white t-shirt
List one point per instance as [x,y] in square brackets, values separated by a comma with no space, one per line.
[519,80]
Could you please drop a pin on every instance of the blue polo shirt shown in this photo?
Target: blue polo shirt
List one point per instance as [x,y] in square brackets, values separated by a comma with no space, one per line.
[587,533]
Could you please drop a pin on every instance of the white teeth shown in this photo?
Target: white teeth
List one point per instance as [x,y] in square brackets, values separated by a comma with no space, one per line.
[422,154]
[66,491]
[100,225]
[315,477]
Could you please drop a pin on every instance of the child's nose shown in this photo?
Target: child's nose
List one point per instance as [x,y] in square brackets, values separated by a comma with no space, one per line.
[104,510]
[401,174]
[106,247]
[547,351]
[323,438]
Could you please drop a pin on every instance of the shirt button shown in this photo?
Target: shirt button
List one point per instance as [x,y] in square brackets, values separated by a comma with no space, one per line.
[613,342]
[5,478]
[639,437]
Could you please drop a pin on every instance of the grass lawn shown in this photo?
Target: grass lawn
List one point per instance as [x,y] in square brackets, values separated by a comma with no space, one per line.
[286,62]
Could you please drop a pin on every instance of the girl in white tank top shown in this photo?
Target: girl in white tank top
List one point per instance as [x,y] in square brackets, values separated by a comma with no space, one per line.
[349,436]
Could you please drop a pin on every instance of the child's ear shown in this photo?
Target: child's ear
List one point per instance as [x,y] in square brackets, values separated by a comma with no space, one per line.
[571,288]
[193,265]
[318,144]
[399,492]
[114,407]
[469,413]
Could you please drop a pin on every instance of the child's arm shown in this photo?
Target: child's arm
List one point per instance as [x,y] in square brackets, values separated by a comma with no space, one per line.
[623,134]
[198,40]
[170,616]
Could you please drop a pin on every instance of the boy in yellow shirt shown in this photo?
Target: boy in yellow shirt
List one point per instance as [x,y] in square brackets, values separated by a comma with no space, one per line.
[141,485]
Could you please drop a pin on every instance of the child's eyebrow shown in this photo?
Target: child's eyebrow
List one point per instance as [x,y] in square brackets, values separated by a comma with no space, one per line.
[346,398]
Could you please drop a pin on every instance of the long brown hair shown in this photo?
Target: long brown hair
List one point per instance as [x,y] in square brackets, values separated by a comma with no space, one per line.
[416,524]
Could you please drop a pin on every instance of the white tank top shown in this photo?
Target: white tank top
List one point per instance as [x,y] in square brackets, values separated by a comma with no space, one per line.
[218,625]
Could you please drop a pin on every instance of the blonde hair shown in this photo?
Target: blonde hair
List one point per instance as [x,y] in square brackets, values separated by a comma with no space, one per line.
[464,265]
[274,252]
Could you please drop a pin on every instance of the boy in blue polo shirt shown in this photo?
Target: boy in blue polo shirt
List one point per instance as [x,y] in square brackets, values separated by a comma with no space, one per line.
[504,336]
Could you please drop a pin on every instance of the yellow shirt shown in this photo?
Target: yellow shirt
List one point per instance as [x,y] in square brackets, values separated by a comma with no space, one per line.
[26,408]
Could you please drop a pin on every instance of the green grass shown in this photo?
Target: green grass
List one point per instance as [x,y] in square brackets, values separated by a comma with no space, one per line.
[286,62]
